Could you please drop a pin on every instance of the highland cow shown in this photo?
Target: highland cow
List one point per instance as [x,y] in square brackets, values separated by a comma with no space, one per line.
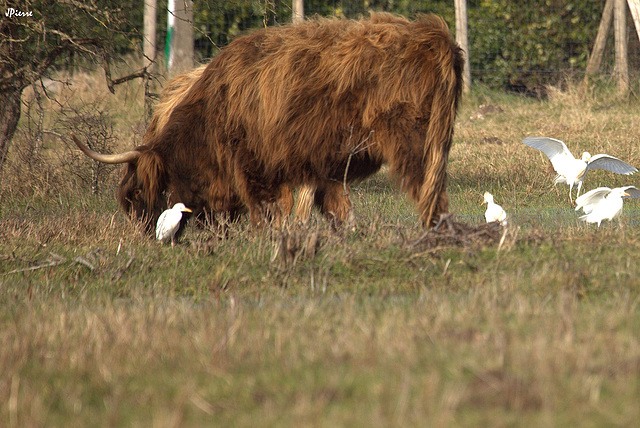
[321,104]
[172,95]
[226,202]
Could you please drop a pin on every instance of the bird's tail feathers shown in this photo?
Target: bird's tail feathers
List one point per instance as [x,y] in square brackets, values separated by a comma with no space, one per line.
[559,179]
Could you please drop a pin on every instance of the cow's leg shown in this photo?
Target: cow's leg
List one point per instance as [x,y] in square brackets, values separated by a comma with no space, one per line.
[306,197]
[284,206]
[330,197]
[259,194]
[334,202]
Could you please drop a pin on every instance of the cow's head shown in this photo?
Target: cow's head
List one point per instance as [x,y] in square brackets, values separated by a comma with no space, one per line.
[142,185]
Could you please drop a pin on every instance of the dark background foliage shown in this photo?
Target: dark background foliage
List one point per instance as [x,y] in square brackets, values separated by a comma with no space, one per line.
[510,42]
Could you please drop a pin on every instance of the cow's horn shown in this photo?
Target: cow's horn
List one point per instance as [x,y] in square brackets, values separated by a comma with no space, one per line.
[117,158]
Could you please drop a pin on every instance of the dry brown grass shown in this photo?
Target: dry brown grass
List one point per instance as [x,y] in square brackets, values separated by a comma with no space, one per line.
[473,360]
[379,325]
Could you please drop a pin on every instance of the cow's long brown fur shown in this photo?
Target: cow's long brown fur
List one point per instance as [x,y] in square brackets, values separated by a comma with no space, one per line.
[296,105]
[172,95]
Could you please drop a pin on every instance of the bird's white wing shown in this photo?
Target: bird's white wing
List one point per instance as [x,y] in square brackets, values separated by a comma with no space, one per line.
[556,151]
[168,221]
[495,213]
[610,163]
[633,192]
[590,199]
[502,218]
[161,225]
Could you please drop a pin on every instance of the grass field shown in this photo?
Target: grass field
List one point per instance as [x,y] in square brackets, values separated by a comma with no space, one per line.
[307,326]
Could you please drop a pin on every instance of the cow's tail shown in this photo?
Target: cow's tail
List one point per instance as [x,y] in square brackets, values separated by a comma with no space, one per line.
[432,198]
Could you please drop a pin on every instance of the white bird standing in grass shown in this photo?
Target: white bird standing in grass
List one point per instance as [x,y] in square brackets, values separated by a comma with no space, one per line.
[570,170]
[494,211]
[169,223]
[604,203]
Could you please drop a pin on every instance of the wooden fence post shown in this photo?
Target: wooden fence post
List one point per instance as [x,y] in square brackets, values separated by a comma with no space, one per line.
[463,41]
[149,50]
[634,7]
[149,40]
[179,36]
[297,11]
[620,32]
[593,65]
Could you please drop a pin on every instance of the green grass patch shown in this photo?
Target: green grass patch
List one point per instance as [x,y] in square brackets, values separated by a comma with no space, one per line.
[101,325]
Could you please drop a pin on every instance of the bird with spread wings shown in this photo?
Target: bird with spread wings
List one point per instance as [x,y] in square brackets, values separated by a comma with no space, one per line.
[570,170]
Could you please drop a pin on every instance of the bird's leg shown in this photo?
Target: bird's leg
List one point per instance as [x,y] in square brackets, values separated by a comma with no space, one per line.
[173,242]
[579,187]
[570,189]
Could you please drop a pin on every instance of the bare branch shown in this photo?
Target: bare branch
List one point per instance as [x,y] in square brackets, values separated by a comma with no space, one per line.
[138,74]
[144,72]
[29,73]
[55,261]
[352,151]
[81,5]
[118,273]
[83,261]
[91,9]
[54,133]
[74,42]
[11,40]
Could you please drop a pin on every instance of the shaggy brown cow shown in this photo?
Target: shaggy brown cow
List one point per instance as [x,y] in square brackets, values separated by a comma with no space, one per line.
[172,94]
[314,103]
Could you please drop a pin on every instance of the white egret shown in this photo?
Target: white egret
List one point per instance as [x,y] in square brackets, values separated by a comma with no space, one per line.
[604,203]
[570,170]
[494,211]
[169,223]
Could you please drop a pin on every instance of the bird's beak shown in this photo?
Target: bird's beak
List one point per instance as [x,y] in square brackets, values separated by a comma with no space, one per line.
[187,210]
[626,194]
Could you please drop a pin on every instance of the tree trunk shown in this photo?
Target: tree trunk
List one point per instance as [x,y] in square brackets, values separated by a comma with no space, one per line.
[622,55]
[297,11]
[9,116]
[463,41]
[180,57]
